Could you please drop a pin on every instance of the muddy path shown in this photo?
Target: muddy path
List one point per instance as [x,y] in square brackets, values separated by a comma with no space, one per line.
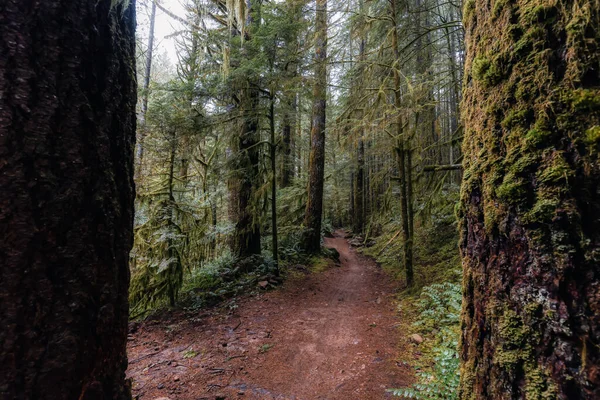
[329,335]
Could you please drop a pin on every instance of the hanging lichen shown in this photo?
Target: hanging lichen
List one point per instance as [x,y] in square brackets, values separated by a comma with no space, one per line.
[237,14]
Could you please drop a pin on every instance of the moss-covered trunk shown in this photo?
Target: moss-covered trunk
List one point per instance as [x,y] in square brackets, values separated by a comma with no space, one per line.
[314,205]
[67,134]
[530,202]
[401,154]
[245,175]
[359,188]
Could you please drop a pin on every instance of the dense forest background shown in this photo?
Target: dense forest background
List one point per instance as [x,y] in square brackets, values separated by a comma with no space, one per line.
[224,148]
[229,123]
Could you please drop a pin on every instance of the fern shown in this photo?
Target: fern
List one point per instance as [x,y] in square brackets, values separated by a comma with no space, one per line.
[439,311]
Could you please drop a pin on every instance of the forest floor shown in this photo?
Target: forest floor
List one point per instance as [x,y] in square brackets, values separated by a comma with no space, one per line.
[324,335]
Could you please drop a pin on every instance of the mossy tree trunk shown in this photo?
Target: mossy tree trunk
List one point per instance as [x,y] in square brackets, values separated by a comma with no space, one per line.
[316,168]
[401,154]
[244,181]
[288,126]
[530,202]
[67,134]
[359,211]
[286,149]
[359,188]
[244,178]
[273,157]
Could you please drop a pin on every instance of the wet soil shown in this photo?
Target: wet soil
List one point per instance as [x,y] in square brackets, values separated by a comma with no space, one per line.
[327,335]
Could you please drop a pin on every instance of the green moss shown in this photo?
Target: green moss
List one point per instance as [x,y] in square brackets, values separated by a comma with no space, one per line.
[578,23]
[468,378]
[585,100]
[513,334]
[543,211]
[538,138]
[468,10]
[533,39]
[319,264]
[517,117]
[592,136]
[480,67]
[490,216]
[537,386]
[489,73]
[499,5]
[557,172]
[524,91]
[522,47]
[539,14]
[517,336]
[512,190]
[525,163]
[515,31]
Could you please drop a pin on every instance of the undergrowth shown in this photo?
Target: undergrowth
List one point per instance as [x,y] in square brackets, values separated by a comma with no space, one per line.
[436,256]
[438,310]
[225,277]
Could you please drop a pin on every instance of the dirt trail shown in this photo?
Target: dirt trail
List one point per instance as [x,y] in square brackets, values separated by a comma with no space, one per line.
[328,335]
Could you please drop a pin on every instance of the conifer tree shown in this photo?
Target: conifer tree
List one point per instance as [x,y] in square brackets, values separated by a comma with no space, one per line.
[314,206]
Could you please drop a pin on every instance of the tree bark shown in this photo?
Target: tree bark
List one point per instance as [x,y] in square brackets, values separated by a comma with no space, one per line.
[401,156]
[314,205]
[67,134]
[530,201]
[288,122]
[359,211]
[244,178]
[286,162]
[273,154]
[359,225]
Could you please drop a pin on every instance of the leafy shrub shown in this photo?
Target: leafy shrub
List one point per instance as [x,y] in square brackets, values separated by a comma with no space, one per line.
[439,311]
[439,307]
[223,278]
[441,382]
[209,276]
[290,246]
[327,228]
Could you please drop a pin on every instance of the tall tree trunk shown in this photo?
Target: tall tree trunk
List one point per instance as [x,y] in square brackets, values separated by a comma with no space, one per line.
[409,196]
[67,134]
[314,205]
[352,196]
[243,184]
[359,211]
[359,226]
[530,202]
[245,176]
[286,162]
[401,156]
[273,154]
[288,123]
[145,95]
[174,269]
[298,142]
